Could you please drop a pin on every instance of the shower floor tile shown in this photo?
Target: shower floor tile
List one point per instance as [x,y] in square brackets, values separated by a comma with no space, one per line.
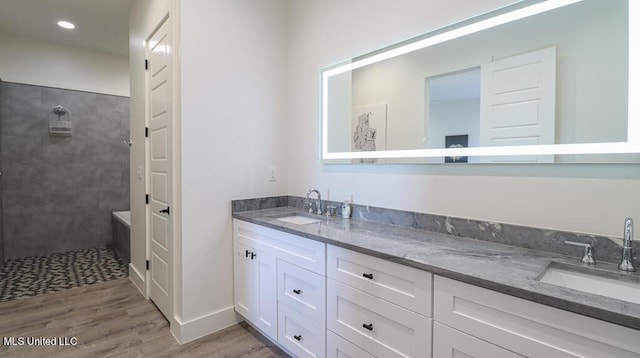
[31,276]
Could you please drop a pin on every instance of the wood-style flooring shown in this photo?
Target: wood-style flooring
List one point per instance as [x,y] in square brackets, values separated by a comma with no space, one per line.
[112,319]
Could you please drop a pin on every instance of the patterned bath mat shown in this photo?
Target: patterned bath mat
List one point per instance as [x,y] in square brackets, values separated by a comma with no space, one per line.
[31,276]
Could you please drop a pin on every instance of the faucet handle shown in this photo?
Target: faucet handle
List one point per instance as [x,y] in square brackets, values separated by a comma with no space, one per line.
[587,257]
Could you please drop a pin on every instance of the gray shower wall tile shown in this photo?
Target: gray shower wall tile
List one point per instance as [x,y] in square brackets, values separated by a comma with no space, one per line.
[112,174]
[32,226]
[22,98]
[113,199]
[68,177]
[31,124]
[75,202]
[66,151]
[21,149]
[59,192]
[113,149]
[22,202]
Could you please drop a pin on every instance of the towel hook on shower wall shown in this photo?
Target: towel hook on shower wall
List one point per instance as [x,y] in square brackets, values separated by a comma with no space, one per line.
[60,121]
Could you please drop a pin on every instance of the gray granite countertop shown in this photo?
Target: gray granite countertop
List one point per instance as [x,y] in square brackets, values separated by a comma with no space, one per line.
[507,269]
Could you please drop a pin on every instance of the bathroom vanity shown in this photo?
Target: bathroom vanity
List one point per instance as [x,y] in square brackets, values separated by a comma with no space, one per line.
[338,287]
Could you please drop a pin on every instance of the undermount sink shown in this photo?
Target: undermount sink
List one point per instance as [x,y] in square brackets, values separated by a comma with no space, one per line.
[298,219]
[620,286]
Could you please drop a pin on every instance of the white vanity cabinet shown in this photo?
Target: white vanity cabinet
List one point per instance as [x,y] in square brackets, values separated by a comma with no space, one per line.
[318,300]
[376,306]
[280,287]
[516,327]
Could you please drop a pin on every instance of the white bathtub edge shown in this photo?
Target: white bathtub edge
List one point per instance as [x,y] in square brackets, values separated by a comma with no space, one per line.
[124,217]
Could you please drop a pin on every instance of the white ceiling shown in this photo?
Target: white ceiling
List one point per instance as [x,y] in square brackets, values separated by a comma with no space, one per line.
[101,25]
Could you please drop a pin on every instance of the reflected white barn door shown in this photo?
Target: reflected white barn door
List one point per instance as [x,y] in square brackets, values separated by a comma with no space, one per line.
[160,119]
[517,103]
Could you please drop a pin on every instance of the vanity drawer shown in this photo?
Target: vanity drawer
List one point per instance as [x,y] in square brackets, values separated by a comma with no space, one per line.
[301,335]
[338,347]
[448,342]
[528,328]
[302,291]
[402,285]
[298,250]
[379,327]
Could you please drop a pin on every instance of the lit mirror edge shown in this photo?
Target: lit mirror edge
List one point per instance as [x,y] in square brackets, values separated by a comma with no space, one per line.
[632,146]
[550,149]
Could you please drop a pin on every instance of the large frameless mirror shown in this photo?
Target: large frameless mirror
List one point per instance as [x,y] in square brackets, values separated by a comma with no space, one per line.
[533,82]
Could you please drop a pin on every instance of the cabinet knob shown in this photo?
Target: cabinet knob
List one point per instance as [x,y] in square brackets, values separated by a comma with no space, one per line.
[298,338]
[368,275]
[297,291]
[368,326]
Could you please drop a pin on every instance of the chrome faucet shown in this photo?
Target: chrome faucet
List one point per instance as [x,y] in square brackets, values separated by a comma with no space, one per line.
[626,262]
[587,256]
[318,201]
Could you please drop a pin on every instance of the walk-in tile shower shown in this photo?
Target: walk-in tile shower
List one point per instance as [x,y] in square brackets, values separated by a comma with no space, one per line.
[65,168]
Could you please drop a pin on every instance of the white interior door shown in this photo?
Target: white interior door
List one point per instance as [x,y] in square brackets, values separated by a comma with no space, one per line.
[160,118]
[517,103]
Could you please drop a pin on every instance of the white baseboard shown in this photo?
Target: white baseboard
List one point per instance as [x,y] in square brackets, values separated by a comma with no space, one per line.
[188,331]
[138,280]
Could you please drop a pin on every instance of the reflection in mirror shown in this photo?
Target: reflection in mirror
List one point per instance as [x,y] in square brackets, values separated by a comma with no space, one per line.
[558,77]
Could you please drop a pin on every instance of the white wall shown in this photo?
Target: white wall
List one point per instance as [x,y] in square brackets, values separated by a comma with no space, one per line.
[233,124]
[566,197]
[231,103]
[34,62]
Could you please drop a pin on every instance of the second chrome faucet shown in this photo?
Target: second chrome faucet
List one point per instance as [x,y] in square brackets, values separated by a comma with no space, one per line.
[626,262]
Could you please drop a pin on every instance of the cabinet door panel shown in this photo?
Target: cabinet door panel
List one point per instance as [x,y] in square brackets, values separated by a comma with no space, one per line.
[379,327]
[255,294]
[403,285]
[302,290]
[244,281]
[267,299]
[450,343]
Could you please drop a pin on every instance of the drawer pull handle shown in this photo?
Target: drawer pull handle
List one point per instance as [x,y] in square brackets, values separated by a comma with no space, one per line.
[368,275]
[246,253]
[368,326]
[298,338]
[253,255]
[297,292]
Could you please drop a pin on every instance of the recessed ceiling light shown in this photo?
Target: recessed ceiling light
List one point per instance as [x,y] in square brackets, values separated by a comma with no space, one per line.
[66,25]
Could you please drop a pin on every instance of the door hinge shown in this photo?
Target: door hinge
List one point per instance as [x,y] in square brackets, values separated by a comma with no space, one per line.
[146,198]
[146,132]
[146,64]
[147,264]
